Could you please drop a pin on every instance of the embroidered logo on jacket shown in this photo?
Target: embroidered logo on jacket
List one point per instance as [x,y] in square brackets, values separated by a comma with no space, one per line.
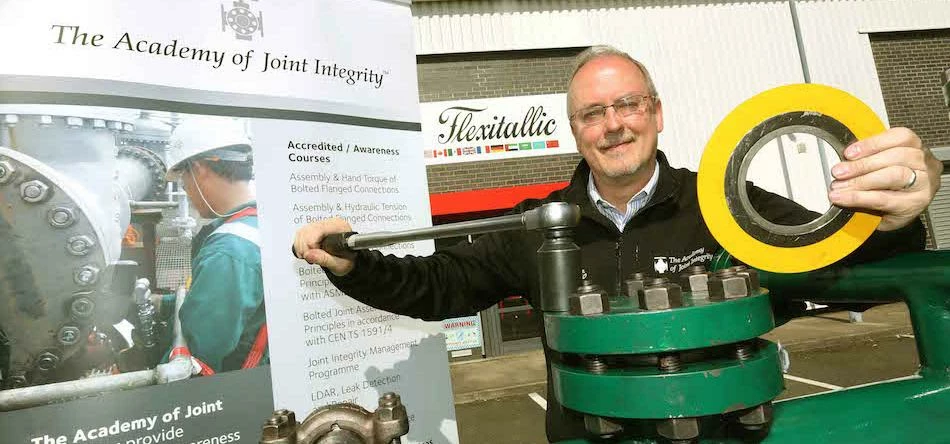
[660,264]
[674,264]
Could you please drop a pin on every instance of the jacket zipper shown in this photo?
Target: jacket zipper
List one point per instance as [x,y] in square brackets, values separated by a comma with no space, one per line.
[618,246]
[617,249]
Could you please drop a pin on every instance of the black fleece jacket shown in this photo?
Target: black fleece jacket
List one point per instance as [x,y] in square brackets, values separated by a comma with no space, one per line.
[667,235]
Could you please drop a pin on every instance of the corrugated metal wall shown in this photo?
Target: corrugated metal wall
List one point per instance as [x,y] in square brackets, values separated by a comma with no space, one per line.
[838,51]
[938,213]
[706,57]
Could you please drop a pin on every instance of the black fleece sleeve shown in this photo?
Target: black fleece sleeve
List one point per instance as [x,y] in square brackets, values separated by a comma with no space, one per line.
[457,281]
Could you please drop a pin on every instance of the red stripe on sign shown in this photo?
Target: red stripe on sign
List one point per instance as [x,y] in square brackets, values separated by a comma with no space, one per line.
[486,199]
[553,144]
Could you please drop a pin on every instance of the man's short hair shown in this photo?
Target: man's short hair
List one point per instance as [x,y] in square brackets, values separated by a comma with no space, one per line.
[598,51]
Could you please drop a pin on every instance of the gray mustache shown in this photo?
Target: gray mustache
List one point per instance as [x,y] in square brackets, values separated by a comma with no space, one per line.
[612,140]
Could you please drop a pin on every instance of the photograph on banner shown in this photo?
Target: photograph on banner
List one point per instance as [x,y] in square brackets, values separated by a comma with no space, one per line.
[130,248]
[496,128]
[131,216]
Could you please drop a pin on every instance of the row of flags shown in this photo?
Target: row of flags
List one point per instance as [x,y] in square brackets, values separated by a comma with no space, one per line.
[491,149]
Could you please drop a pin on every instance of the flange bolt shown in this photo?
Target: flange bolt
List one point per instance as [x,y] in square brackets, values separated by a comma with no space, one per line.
[69,335]
[61,217]
[87,275]
[80,245]
[34,191]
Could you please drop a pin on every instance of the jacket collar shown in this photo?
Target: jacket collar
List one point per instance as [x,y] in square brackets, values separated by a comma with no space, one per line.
[576,192]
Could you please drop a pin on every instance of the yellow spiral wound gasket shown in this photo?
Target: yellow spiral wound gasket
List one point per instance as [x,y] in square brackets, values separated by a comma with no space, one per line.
[805,99]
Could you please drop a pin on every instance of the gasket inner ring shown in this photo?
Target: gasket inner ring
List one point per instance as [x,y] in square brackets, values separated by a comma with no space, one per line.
[746,216]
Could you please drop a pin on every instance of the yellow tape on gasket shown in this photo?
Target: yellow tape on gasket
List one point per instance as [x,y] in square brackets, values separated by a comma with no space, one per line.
[828,101]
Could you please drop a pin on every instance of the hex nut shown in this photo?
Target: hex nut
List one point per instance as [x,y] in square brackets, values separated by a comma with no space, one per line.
[34,191]
[751,275]
[271,429]
[661,296]
[287,416]
[391,408]
[80,245]
[82,308]
[68,335]
[589,299]
[588,304]
[61,217]
[678,428]
[757,416]
[601,426]
[635,284]
[725,285]
[389,399]
[279,426]
[87,275]
[286,423]
[7,171]
[47,361]
[695,279]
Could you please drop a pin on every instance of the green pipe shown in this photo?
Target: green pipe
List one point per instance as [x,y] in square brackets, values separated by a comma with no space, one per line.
[920,279]
[908,411]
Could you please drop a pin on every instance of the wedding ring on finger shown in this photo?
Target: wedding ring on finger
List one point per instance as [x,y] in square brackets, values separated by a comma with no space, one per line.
[913,179]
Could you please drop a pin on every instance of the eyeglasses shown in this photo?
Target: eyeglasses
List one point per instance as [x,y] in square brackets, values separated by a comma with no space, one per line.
[634,104]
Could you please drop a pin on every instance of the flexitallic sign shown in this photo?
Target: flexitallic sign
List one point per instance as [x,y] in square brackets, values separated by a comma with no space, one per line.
[486,129]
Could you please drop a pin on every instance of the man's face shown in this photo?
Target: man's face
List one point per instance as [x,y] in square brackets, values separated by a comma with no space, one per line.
[618,146]
[188,182]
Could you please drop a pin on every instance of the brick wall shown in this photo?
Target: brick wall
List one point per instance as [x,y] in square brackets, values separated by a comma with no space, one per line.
[500,173]
[909,65]
[488,75]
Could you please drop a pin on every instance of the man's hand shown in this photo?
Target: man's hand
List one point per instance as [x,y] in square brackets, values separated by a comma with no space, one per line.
[890,173]
[307,245]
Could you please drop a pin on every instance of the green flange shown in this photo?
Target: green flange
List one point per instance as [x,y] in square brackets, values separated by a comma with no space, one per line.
[704,388]
[629,330]
[913,410]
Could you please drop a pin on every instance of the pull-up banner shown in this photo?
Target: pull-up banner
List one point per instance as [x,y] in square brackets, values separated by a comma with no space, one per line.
[151,308]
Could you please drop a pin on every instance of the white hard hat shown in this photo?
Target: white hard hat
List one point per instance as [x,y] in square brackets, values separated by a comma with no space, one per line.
[223,138]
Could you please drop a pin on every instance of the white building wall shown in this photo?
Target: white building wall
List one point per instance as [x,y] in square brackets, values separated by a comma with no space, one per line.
[706,57]
[837,45]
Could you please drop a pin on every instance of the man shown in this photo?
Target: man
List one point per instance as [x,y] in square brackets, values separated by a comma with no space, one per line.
[634,208]
[222,316]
